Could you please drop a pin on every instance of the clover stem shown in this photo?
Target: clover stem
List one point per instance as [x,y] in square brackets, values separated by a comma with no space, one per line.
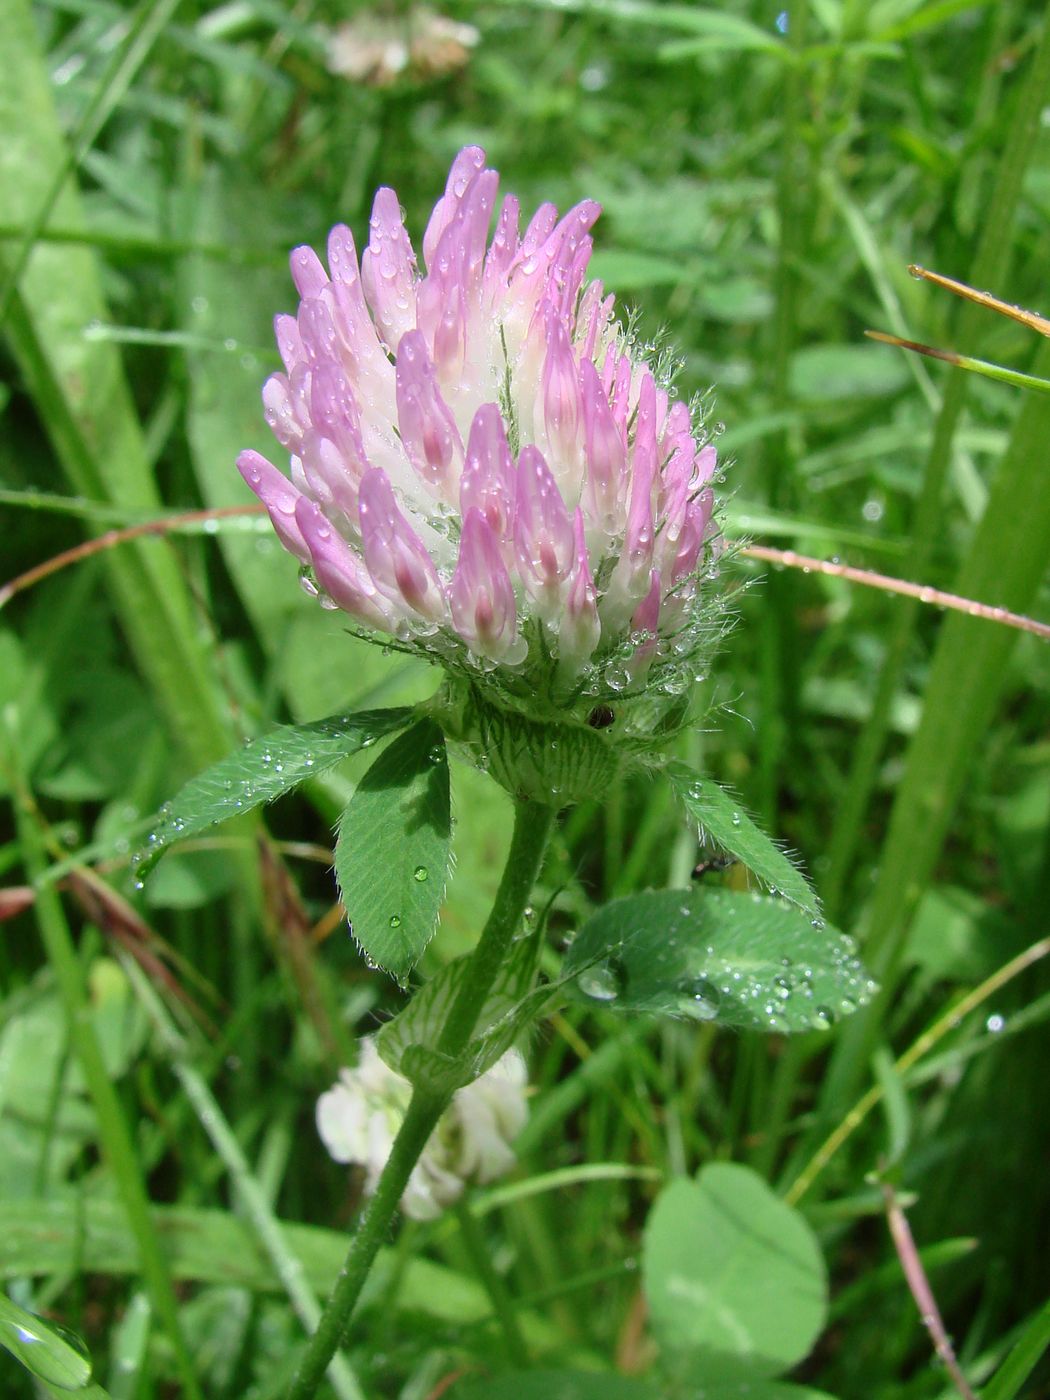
[532,827]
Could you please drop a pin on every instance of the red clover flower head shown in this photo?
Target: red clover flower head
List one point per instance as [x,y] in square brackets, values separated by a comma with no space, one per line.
[484,466]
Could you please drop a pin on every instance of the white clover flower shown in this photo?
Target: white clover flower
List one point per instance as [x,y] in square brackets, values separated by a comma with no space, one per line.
[359,1117]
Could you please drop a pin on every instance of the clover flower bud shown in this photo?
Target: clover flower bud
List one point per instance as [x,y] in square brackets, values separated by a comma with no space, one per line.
[359,1117]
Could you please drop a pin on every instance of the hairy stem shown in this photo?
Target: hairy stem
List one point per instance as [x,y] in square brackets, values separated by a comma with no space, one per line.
[532,826]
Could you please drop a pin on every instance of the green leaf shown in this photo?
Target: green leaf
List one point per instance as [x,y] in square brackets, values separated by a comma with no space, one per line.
[845,373]
[90,1235]
[392,855]
[732,1274]
[51,1352]
[263,769]
[720,32]
[728,825]
[556,1385]
[714,955]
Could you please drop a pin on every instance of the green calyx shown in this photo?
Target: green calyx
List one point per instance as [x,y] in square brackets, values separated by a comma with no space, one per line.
[557,761]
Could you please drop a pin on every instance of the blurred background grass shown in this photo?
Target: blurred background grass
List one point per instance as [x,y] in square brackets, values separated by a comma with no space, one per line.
[767,175]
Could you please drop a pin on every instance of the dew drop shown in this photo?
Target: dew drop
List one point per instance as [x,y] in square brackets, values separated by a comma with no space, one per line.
[421,873]
[395,920]
[701,1000]
[603,982]
[823,1018]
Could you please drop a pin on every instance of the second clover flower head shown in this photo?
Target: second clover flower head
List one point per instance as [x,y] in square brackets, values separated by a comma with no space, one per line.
[359,1118]
[483,465]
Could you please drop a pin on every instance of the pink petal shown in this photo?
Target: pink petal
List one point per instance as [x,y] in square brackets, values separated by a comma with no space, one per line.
[465,166]
[428,430]
[279,410]
[308,273]
[488,483]
[502,251]
[562,408]
[279,497]
[388,270]
[691,539]
[543,535]
[638,543]
[481,596]
[338,570]
[397,558]
[580,628]
[647,614]
[706,462]
[606,455]
[331,483]
[361,351]
[317,332]
[334,410]
[646,619]
[289,344]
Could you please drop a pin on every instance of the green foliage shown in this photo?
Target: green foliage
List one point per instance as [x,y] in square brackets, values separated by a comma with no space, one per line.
[733,1276]
[50,1352]
[711,955]
[392,855]
[262,770]
[555,1385]
[766,179]
[723,821]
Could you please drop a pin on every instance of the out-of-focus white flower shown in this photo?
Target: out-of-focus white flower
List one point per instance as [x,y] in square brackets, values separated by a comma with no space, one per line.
[377,49]
[358,1119]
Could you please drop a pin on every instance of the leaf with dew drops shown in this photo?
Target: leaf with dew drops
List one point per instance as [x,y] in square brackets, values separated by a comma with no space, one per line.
[49,1351]
[728,825]
[392,854]
[742,960]
[262,770]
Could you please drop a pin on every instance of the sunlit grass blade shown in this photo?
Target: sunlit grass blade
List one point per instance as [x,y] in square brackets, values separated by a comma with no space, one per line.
[1031,319]
[953,357]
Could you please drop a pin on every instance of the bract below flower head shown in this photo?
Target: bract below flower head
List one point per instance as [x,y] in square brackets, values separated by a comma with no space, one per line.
[483,463]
